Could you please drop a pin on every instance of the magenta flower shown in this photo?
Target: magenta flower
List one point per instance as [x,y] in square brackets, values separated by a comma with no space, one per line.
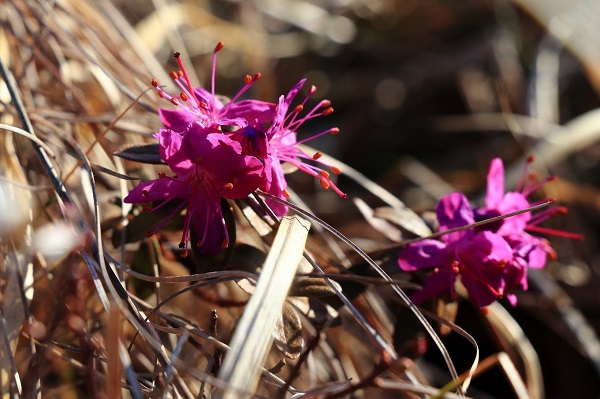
[208,166]
[479,259]
[205,107]
[480,254]
[530,250]
[283,147]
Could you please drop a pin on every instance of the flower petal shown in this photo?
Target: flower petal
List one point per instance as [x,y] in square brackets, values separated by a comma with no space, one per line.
[178,157]
[157,190]
[207,222]
[495,183]
[453,211]
[175,119]
[422,255]
[439,282]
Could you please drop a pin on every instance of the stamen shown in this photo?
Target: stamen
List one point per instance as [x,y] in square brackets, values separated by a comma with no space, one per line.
[325,104]
[554,232]
[312,90]
[317,155]
[174,101]
[336,170]
[298,108]
[174,75]
[184,96]
[225,244]
[199,243]
[228,186]
[328,111]
[257,76]
[286,194]
[145,193]
[182,245]
[154,82]
[324,174]
[184,253]
[162,175]
[324,183]
[248,79]
[186,77]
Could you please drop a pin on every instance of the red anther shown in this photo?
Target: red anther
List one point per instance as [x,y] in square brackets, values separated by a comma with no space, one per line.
[248,79]
[344,196]
[219,47]
[334,130]
[325,184]
[203,105]
[180,73]
[485,311]
[530,159]
[225,244]
[328,111]
[325,103]
[286,194]
[174,101]
[199,159]
[184,253]
[154,82]
[335,170]
[145,193]
[456,270]
[256,76]
[149,234]
[147,208]
[174,75]
[298,108]
[199,243]
[228,186]
[161,94]
[162,175]
[312,90]
[324,174]
[177,54]
[436,270]
[184,96]
[182,245]
[317,155]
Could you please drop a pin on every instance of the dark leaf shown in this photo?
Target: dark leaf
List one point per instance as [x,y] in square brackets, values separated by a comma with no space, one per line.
[144,153]
[313,287]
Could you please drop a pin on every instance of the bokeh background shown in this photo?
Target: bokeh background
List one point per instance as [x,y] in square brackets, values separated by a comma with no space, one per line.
[425,93]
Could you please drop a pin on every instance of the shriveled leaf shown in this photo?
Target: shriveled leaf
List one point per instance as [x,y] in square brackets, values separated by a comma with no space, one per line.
[316,310]
[446,309]
[313,287]
[381,225]
[405,218]
[287,335]
[143,153]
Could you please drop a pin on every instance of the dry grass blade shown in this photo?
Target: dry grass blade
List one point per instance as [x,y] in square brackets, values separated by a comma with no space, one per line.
[254,332]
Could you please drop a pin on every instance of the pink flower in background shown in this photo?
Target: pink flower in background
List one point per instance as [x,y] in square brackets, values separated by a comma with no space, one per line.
[480,254]
[205,107]
[479,259]
[208,166]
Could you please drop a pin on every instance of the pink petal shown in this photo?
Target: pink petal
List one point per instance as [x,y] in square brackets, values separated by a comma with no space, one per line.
[453,211]
[176,119]
[157,190]
[178,157]
[424,254]
[437,283]
[495,183]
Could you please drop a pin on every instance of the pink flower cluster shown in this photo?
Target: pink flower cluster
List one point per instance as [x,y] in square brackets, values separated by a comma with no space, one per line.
[220,149]
[491,259]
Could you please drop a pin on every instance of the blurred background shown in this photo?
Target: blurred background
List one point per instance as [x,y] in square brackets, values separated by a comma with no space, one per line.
[425,94]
